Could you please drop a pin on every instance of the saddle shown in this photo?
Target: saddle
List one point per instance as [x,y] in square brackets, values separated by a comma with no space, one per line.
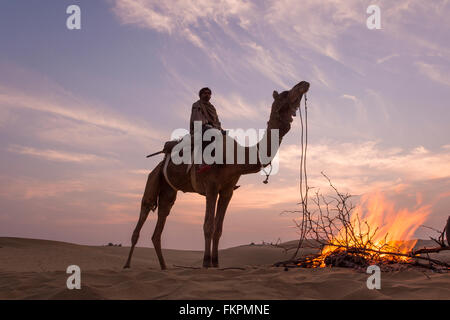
[196,182]
[191,168]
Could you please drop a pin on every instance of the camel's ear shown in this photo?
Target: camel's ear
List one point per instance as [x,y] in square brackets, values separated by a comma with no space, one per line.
[275,94]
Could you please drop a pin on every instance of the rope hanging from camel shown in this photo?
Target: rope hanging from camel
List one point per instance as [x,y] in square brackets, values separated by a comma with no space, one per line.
[304,146]
[303,176]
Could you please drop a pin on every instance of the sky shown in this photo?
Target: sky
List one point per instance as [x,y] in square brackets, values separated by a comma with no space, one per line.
[80,109]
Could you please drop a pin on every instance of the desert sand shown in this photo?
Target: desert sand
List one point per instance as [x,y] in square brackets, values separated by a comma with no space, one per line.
[36,269]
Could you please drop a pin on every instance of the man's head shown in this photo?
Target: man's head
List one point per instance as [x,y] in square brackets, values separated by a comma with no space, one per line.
[205,94]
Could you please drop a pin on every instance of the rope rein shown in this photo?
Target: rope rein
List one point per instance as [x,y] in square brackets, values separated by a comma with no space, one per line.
[303,157]
[303,190]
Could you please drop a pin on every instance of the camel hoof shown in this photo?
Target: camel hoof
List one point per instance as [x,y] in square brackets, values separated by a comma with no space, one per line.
[207,262]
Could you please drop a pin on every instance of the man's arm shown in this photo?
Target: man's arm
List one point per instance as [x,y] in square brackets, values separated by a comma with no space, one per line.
[216,123]
[196,115]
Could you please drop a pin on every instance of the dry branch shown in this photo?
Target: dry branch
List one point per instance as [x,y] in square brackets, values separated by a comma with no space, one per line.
[447,232]
[430,250]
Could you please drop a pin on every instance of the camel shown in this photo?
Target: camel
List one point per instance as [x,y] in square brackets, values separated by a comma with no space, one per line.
[217,184]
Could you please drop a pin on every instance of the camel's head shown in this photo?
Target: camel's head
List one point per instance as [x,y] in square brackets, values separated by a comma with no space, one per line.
[285,105]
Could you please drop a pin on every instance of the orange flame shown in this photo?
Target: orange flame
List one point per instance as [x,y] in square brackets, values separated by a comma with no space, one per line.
[394,227]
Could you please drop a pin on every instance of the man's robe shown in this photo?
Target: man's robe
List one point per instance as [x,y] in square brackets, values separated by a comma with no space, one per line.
[206,113]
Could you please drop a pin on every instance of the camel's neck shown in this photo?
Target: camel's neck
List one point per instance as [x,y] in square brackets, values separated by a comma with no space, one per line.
[265,150]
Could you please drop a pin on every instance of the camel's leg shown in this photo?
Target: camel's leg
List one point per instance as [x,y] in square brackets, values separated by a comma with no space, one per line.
[145,209]
[224,200]
[146,206]
[167,198]
[208,226]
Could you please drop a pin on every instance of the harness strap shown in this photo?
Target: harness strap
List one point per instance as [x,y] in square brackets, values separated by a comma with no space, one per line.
[165,172]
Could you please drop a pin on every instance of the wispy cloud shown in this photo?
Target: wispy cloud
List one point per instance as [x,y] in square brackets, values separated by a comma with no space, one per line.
[237,20]
[371,166]
[269,65]
[29,188]
[319,31]
[229,107]
[350,97]
[140,171]
[68,107]
[438,74]
[235,107]
[274,38]
[139,12]
[171,15]
[387,58]
[56,155]
[359,106]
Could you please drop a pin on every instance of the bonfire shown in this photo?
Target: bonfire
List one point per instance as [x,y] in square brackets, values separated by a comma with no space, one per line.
[371,233]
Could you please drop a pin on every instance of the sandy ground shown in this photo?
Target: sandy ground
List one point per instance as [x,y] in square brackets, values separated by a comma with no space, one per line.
[36,269]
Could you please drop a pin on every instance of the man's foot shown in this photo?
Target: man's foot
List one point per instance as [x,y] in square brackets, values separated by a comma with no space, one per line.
[203,167]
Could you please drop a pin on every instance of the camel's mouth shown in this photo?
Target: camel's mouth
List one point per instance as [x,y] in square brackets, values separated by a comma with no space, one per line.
[304,86]
[289,101]
[295,94]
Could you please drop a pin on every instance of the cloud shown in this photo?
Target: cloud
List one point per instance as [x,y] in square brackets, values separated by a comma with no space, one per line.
[359,106]
[53,122]
[387,58]
[66,106]
[366,166]
[235,107]
[171,15]
[314,25]
[260,33]
[320,76]
[140,171]
[57,155]
[435,73]
[229,107]
[27,188]
[139,13]
[350,97]
[276,37]
[269,65]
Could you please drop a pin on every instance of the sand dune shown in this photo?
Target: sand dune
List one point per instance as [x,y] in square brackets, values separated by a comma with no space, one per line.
[35,269]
